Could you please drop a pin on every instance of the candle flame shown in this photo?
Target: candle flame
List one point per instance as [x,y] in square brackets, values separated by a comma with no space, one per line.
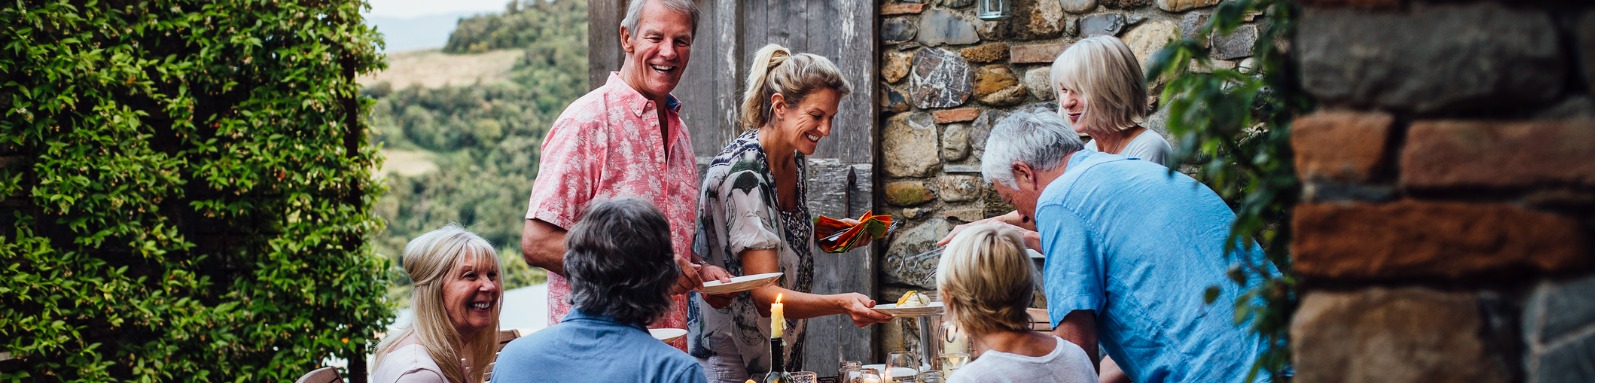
[779,299]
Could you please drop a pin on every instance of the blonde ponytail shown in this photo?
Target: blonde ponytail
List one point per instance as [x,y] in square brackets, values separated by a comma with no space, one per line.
[775,70]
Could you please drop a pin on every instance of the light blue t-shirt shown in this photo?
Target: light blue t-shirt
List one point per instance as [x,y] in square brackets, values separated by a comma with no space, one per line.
[1139,246]
[588,348]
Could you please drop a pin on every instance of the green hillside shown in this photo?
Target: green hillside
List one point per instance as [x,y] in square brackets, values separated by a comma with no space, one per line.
[483,138]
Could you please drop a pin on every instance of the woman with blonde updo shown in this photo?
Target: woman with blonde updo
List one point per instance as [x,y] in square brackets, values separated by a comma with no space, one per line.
[753,218]
[455,278]
[986,282]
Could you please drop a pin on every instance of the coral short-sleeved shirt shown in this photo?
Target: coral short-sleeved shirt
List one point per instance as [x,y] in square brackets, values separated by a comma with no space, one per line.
[608,144]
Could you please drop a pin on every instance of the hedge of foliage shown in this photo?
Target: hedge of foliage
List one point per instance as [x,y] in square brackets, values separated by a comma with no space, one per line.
[187,190]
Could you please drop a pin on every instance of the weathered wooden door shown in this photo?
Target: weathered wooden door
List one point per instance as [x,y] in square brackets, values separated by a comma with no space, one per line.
[841,181]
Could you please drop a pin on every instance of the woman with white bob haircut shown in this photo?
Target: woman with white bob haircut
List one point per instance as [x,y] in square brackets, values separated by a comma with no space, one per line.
[1100,90]
[986,281]
[455,278]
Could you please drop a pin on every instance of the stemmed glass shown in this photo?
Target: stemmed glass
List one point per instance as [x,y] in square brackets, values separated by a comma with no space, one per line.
[901,364]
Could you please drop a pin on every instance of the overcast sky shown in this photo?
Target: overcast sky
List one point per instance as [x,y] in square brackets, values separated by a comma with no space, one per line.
[418,8]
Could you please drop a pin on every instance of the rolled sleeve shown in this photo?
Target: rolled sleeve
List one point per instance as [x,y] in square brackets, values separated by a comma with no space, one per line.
[568,168]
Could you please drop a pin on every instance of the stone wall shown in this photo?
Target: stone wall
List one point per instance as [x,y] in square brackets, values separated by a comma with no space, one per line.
[1446,228]
[947,76]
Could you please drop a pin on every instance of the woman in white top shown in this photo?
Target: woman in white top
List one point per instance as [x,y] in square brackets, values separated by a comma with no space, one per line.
[456,292]
[986,281]
[1100,90]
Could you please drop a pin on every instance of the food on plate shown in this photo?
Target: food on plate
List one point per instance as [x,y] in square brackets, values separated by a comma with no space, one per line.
[912,298]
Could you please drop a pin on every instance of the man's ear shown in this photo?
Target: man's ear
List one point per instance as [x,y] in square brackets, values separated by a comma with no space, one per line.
[1023,173]
[627,40]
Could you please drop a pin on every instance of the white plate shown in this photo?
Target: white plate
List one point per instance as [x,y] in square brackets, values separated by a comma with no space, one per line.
[933,308]
[899,372]
[668,334]
[737,284]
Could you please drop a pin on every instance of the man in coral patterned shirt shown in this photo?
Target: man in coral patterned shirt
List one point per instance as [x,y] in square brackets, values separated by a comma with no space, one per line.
[624,139]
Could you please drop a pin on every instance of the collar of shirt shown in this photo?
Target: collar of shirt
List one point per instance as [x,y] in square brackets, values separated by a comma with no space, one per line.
[635,101]
[577,315]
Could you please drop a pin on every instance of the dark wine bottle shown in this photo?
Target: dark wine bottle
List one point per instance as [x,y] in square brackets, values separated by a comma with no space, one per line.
[779,373]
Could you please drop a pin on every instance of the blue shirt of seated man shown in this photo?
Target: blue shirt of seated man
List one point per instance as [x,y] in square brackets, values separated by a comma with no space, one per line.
[591,348]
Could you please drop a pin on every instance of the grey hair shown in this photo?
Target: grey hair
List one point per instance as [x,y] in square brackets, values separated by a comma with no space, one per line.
[1107,74]
[620,263]
[687,7]
[1036,138]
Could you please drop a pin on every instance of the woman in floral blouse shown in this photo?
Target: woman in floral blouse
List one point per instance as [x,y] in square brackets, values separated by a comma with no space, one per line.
[753,218]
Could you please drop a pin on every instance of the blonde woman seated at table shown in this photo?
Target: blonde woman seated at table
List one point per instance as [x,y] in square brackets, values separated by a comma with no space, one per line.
[753,218]
[455,296]
[986,282]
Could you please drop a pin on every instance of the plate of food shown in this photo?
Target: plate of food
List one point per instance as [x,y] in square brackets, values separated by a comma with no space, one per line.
[912,304]
[668,334]
[740,283]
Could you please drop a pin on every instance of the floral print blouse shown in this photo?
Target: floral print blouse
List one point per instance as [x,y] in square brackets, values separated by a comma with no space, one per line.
[739,211]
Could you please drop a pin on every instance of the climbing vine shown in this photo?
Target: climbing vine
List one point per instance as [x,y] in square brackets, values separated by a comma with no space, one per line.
[1233,125]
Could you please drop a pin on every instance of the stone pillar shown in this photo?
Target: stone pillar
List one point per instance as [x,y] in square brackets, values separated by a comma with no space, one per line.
[1446,228]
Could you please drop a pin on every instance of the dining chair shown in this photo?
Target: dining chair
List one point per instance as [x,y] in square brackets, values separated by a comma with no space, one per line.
[504,337]
[321,375]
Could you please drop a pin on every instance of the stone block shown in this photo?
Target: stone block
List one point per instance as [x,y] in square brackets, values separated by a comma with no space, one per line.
[893,101]
[1037,19]
[1557,310]
[906,193]
[1341,146]
[1191,24]
[993,78]
[939,27]
[956,3]
[1038,81]
[979,136]
[1572,361]
[959,188]
[1399,335]
[962,169]
[1148,38]
[1013,95]
[986,53]
[1239,44]
[1036,53]
[909,141]
[909,261]
[911,213]
[896,65]
[1454,154]
[890,9]
[1078,6]
[1394,60]
[1417,239]
[964,213]
[939,79]
[1101,24]
[897,30]
[954,145]
[1183,5]
[946,116]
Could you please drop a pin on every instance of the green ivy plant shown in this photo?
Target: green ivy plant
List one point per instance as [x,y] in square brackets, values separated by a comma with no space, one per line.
[1233,126]
[186,190]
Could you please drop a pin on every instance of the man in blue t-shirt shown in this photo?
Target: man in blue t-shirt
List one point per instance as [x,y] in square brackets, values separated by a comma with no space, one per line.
[1130,248]
[620,263]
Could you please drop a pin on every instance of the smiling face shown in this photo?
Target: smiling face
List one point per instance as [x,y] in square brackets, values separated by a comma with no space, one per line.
[1072,104]
[471,293]
[658,52]
[803,125]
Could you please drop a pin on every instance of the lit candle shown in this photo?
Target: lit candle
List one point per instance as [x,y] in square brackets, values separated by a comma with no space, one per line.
[777,317]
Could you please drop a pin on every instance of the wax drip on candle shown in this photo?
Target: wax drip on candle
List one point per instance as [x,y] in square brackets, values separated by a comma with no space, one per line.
[777,317]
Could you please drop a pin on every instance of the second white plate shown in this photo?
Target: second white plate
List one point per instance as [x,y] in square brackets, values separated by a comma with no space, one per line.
[934,308]
[741,283]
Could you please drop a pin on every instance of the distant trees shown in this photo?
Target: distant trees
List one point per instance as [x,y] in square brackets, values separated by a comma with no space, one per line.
[485,137]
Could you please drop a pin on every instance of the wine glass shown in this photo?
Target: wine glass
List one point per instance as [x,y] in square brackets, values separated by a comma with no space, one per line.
[901,364]
[868,375]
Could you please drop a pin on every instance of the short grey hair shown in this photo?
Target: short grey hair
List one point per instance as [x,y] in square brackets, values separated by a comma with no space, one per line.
[1108,76]
[1039,139]
[687,7]
[620,262]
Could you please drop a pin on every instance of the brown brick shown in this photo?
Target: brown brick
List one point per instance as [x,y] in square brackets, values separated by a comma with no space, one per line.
[945,116]
[1399,335]
[900,9]
[986,53]
[1343,146]
[1433,239]
[1036,53]
[1446,154]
